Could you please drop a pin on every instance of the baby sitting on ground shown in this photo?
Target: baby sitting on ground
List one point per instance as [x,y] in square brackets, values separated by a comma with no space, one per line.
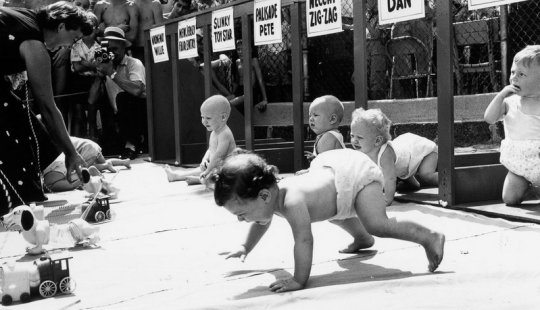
[325,115]
[215,112]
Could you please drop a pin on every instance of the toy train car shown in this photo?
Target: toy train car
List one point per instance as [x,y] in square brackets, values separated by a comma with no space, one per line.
[45,276]
[99,210]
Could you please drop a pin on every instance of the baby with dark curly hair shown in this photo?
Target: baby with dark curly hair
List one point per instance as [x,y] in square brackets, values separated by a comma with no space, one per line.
[343,186]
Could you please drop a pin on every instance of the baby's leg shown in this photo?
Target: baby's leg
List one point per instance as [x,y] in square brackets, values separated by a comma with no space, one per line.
[121,162]
[193,180]
[173,176]
[105,166]
[427,171]
[515,189]
[371,210]
[409,184]
[362,239]
[57,182]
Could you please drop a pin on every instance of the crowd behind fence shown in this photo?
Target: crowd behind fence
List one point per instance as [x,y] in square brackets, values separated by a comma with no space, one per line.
[401,57]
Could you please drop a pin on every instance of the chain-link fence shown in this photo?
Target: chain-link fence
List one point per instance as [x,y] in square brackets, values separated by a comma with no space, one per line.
[402,56]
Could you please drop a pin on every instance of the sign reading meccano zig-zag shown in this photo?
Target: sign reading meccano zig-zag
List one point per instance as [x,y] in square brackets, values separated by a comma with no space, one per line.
[187,39]
[393,11]
[223,30]
[480,4]
[159,44]
[323,17]
[267,26]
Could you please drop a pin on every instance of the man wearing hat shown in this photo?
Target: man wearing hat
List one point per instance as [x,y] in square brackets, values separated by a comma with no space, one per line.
[126,89]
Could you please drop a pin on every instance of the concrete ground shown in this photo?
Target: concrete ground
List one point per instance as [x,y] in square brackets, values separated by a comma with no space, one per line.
[161,252]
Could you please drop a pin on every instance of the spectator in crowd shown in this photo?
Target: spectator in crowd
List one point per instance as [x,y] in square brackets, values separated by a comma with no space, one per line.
[150,13]
[126,89]
[82,57]
[260,99]
[181,8]
[275,61]
[222,61]
[118,13]
[202,5]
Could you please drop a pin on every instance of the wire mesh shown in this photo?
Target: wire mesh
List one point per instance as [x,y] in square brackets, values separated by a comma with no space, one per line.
[401,56]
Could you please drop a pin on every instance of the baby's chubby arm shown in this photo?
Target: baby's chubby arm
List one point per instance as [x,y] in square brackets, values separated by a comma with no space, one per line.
[388,168]
[297,214]
[205,160]
[497,107]
[254,235]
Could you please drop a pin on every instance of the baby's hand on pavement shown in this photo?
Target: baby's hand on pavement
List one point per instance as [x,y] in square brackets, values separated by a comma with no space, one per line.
[309,155]
[239,252]
[285,285]
[300,172]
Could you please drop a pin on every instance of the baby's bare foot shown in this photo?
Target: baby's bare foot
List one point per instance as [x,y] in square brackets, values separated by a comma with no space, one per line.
[110,166]
[435,251]
[359,244]
[127,164]
[192,180]
[171,175]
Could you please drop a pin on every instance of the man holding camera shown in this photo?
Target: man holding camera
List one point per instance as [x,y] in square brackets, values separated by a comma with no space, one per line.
[126,89]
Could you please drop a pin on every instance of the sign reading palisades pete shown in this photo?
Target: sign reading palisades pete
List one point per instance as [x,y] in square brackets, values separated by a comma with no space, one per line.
[223,30]
[480,4]
[393,11]
[267,25]
[323,17]
[187,38]
[159,44]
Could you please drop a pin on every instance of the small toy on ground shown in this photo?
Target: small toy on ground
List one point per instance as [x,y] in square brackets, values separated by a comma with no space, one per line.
[98,209]
[94,182]
[39,232]
[47,275]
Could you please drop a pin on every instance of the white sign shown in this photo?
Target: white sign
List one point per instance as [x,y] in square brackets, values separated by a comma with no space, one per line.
[223,30]
[159,44]
[267,25]
[187,39]
[480,4]
[393,11]
[323,17]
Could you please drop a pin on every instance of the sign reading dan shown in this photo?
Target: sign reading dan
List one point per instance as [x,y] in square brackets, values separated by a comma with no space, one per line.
[393,11]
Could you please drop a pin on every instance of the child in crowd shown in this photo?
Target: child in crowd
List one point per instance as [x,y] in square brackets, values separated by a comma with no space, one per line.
[325,115]
[82,57]
[411,158]
[215,112]
[55,174]
[260,100]
[518,104]
[343,186]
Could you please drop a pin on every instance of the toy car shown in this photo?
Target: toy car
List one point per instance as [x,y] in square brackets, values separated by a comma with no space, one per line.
[46,276]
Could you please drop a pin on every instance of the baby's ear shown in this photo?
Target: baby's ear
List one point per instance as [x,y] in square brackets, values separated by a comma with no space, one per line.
[333,118]
[378,140]
[265,195]
[223,116]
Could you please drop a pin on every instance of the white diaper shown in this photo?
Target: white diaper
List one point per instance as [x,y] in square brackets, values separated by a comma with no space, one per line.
[522,157]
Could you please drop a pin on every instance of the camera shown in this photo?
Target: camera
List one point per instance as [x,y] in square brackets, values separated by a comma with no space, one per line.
[102,53]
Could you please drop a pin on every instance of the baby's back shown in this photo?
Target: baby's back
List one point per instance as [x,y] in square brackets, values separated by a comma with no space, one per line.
[329,140]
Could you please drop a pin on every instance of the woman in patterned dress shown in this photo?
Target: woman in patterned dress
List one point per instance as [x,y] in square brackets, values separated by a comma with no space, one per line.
[26,146]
